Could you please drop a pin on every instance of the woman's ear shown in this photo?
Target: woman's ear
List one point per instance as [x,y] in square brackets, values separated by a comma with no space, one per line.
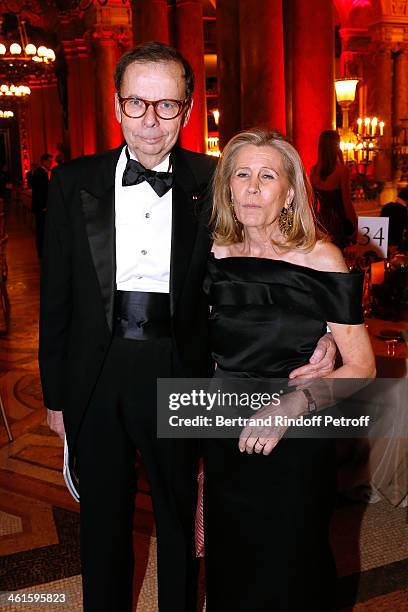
[289,197]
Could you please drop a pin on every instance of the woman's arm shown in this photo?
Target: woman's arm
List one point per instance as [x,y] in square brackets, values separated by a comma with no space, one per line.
[358,365]
[352,340]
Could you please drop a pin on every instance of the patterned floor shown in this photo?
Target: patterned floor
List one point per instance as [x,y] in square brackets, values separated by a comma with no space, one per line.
[39,520]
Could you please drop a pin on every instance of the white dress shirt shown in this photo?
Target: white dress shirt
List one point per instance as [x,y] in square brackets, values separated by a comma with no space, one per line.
[143,233]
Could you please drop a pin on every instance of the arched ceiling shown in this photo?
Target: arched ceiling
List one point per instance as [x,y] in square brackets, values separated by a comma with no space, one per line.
[358,13]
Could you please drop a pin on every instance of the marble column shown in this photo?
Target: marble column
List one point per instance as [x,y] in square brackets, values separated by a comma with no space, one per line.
[401,86]
[81,101]
[189,36]
[313,101]
[228,67]
[262,64]
[383,108]
[150,21]
[106,54]
[44,120]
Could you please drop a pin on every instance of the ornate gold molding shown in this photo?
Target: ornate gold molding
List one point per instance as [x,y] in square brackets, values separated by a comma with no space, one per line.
[400,7]
[391,35]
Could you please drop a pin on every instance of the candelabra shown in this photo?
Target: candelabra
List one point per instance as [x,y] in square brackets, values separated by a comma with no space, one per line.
[369,134]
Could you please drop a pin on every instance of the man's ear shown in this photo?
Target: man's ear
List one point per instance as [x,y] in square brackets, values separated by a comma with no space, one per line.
[188,113]
[118,112]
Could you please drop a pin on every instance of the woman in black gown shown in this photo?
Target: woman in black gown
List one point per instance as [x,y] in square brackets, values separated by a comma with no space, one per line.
[330,179]
[273,285]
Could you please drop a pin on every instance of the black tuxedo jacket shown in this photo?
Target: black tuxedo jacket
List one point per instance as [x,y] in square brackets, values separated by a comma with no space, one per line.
[79,276]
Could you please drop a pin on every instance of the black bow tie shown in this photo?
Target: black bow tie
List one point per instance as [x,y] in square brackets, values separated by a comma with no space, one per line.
[135,173]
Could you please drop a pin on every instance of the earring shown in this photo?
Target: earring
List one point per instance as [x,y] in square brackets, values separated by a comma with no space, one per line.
[285,220]
[231,205]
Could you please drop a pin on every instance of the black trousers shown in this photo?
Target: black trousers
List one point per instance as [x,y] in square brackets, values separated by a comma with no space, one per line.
[120,418]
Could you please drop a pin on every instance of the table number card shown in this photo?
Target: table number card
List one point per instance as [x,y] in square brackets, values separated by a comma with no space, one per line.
[373,235]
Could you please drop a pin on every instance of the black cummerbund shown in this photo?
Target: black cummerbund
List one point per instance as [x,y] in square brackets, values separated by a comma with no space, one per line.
[142,315]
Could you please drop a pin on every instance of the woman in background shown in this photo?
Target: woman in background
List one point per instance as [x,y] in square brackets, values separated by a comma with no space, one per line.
[330,179]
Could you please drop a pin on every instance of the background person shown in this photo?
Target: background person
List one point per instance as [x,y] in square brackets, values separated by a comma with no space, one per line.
[39,186]
[397,213]
[330,179]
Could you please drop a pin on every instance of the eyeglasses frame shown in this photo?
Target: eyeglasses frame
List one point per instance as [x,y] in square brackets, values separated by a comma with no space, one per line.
[182,104]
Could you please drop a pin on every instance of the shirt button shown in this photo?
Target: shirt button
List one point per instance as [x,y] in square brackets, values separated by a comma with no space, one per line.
[143,252]
[147,215]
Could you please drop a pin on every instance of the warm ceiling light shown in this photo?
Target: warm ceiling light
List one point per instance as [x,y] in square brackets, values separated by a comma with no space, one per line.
[15,49]
[345,90]
[23,61]
[31,49]
[50,55]
[14,90]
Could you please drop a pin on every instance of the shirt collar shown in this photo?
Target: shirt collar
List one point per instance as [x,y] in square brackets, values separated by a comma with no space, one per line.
[162,167]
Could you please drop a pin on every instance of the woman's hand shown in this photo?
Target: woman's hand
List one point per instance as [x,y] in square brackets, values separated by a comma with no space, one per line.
[262,439]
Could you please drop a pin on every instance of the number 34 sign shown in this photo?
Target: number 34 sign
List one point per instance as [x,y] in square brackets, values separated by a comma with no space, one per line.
[373,235]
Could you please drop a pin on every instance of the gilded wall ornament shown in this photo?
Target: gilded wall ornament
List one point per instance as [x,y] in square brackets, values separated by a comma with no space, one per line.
[400,7]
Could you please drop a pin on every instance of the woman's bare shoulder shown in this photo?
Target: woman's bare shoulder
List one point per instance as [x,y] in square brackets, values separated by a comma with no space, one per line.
[220,251]
[327,257]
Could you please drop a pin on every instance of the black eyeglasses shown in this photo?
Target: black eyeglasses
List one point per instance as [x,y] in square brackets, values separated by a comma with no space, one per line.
[134,108]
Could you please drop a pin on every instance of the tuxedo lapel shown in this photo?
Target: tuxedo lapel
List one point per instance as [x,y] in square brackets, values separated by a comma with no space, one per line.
[184,224]
[98,205]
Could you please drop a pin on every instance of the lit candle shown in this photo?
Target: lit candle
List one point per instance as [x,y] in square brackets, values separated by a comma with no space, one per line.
[374,126]
[382,128]
[367,122]
[359,125]
[377,272]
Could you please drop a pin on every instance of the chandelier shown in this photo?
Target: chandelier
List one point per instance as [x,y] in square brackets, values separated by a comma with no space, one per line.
[19,91]
[6,114]
[21,60]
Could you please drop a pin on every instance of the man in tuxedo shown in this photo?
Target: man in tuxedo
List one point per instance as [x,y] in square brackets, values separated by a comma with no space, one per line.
[39,186]
[122,304]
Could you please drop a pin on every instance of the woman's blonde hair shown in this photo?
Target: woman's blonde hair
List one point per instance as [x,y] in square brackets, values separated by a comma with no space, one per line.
[226,230]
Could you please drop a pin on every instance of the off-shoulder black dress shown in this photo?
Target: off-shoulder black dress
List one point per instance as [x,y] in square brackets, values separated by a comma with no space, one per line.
[267,517]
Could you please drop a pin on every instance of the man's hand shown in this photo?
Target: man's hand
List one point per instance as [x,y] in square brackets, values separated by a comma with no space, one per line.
[321,362]
[56,422]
